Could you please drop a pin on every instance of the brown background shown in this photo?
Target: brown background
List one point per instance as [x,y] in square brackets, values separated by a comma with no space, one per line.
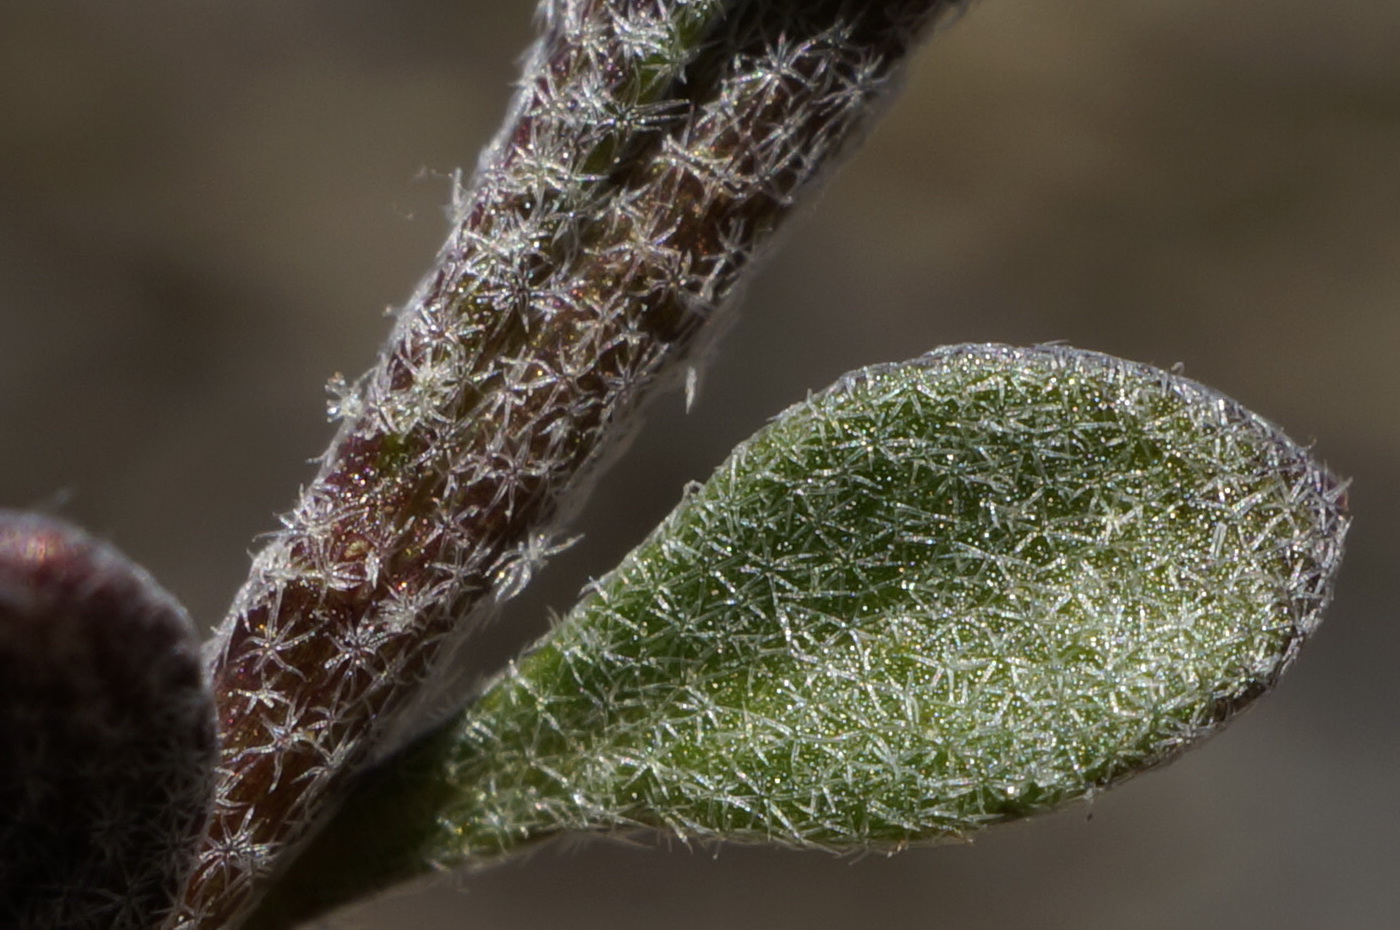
[204,206]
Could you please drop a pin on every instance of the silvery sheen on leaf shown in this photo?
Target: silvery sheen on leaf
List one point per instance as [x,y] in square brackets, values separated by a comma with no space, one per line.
[936,596]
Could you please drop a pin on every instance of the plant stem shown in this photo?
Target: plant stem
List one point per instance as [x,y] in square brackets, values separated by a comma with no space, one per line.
[653,148]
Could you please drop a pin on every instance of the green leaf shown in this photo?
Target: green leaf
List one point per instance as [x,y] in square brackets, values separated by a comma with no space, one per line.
[936,596]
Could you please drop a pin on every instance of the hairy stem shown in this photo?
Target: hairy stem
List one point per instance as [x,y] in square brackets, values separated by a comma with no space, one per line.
[652,149]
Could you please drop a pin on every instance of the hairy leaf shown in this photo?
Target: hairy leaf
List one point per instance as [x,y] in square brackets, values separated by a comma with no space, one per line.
[936,596]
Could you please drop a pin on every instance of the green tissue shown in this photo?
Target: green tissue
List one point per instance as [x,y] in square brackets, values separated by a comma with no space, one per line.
[936,596]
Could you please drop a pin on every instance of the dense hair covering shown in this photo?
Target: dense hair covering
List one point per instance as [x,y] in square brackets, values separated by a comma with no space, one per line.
[936,596]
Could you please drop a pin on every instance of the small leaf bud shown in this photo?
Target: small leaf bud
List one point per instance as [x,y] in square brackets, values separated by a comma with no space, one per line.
[106,735]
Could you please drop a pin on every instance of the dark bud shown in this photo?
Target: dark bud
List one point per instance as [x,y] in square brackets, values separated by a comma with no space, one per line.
[107,738]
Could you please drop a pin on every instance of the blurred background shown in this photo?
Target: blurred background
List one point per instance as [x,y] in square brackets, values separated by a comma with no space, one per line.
[204,208]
